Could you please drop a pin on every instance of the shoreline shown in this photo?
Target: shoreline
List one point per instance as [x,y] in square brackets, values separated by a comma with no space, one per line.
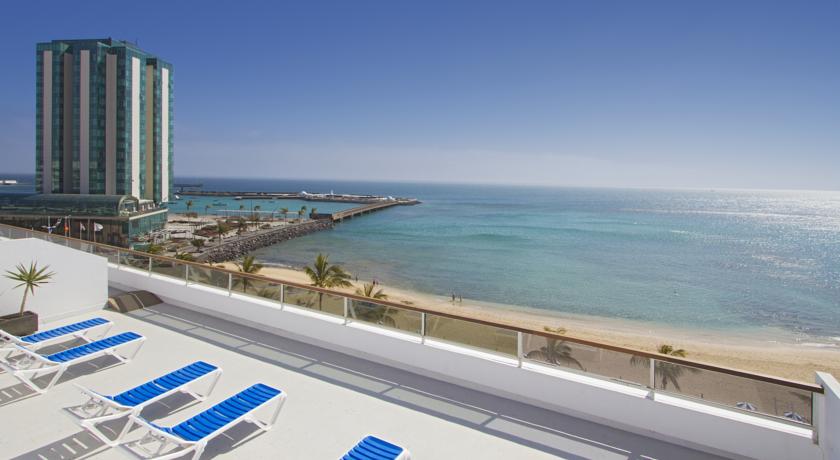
[761,353]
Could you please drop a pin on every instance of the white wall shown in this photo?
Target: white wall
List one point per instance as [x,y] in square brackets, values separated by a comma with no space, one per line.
[80,282]
[828,416]
[700,426]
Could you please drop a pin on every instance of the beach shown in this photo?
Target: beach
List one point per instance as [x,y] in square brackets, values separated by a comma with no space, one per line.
[780,354]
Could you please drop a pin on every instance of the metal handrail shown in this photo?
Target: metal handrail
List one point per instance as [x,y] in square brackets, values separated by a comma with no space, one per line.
[500,324]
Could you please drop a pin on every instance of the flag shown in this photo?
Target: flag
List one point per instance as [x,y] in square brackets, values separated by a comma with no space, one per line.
[97,227]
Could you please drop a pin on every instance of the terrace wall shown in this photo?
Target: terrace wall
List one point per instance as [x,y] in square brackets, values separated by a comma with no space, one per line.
[80,283]
[701,426]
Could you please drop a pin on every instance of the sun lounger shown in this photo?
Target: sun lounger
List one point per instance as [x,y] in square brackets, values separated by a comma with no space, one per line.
[28,365]
[192,435]
[80,330]
[101,408]
[373,448]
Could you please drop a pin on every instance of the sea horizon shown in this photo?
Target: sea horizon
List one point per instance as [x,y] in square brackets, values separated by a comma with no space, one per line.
[182,178]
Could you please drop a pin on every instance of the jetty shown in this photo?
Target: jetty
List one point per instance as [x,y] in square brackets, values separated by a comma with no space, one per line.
[233,247]
[367,209]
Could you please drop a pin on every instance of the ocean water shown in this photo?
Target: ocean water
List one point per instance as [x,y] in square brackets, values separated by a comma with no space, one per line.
[722,260]
[729,261]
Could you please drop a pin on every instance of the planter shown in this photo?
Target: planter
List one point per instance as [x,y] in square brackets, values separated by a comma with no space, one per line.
[20,325]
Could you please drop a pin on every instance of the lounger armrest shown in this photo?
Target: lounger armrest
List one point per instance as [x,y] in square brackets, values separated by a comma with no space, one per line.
[145,424]
[27,352]
[100,397]
[7,340]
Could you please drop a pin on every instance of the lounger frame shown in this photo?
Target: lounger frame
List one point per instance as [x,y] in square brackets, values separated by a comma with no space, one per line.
[32,364]
[7,339]
[107,409]
[165,440]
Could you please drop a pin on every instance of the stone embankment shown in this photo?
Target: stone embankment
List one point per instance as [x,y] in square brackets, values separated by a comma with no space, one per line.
[241,245]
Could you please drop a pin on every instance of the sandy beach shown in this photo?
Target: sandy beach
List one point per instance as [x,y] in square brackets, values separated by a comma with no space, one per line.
[777,354]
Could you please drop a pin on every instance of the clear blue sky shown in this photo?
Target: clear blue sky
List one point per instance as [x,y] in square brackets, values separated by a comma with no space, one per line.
[742,94]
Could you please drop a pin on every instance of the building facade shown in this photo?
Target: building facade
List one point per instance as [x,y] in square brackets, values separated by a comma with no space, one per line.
[104,123]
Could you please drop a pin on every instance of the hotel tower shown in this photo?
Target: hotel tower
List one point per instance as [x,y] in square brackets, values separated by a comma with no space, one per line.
[104,120]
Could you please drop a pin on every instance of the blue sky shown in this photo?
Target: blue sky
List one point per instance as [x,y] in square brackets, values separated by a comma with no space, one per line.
[739,94]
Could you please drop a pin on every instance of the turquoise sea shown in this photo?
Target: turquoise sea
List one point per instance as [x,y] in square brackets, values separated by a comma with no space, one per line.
[730,261]
[720,260]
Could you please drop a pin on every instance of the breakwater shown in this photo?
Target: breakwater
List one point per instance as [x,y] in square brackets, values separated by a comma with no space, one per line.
[239,246]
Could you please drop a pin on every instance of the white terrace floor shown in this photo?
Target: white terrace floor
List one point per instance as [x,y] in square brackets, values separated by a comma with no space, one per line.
[333,401]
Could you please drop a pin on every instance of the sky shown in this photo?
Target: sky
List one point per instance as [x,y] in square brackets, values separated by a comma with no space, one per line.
[722,94]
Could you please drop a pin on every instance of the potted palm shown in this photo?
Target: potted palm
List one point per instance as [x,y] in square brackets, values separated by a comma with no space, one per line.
[25,322]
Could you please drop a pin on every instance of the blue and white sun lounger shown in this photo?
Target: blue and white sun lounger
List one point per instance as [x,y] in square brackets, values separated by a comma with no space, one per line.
[373,448]
[80,330]
[29,364]
[101,408]
[192,435]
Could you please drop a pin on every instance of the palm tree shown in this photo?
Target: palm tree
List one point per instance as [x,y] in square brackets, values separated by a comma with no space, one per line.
[367,290]
[206,208]
[373,312]
[197,243]
[313,211]
[241,208]
[302,212]
[285,212]
[324,275]
[665,371]
[29,278]
[189,205]
[248,265]
[185,256]
[555,352]
[255,216]
[154,249]
[269,293]
[221,229]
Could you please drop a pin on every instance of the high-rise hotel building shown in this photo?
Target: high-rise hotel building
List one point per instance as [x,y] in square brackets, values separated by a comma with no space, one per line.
[104,121]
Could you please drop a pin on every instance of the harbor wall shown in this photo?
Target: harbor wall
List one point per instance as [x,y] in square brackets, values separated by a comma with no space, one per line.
[243,245]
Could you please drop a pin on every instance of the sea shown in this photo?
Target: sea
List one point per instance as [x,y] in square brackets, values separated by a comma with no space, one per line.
[731,261]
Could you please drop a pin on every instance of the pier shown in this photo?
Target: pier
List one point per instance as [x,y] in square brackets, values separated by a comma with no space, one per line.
[369,208]
[232,247]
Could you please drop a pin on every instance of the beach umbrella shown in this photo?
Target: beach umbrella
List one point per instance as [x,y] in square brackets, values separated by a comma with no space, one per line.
[795,417]
[745,406]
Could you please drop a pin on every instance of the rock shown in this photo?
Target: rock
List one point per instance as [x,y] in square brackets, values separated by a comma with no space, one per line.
[243,245]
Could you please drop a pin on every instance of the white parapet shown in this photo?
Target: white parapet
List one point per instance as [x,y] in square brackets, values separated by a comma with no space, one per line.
[80,282]
[828,416]
[694,424]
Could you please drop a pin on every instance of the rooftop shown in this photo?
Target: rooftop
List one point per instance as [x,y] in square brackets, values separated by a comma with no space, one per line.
[334,400]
